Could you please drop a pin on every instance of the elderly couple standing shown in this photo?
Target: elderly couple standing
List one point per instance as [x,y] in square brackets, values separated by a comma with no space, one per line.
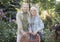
[28,22]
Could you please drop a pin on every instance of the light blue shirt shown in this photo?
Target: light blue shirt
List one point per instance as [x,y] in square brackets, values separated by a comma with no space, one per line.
[36,24]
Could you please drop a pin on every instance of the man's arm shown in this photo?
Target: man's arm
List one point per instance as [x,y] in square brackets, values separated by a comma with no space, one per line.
[19,23]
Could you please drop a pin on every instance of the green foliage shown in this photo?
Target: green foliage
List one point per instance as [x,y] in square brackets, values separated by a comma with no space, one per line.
[58,8]
[48,36]
[8,29]
[14,3]
[47,4]
[7,32]
[5,1]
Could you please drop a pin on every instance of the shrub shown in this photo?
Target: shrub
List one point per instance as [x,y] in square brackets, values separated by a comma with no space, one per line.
[7,32]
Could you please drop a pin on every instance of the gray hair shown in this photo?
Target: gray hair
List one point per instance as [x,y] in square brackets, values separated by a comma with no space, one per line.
[34,8]
[25,5]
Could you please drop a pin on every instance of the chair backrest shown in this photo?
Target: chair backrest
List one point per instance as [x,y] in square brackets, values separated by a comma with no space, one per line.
[25,39]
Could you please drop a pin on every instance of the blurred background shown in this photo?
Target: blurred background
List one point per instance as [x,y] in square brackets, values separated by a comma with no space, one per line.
[49,11]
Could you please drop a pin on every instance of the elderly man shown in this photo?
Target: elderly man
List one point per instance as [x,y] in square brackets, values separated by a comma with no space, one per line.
[22,21]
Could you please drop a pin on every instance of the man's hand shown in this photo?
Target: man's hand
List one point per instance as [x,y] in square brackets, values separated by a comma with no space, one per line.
[25,33]
[30,32]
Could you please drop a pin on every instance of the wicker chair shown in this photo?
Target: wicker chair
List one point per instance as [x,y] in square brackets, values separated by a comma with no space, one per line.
[25,39]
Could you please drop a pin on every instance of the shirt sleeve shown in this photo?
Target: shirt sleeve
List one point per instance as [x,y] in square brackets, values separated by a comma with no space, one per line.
[39,25]
[19,23]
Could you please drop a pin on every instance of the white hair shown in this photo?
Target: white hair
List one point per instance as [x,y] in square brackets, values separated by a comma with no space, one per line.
[34,8]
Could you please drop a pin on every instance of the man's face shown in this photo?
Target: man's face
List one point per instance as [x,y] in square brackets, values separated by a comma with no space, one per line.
[25,9]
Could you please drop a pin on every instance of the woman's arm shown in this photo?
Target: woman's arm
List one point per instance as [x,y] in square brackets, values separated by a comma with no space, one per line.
[39,25]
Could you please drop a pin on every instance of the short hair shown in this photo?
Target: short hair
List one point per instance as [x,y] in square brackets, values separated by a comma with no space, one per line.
[25,5]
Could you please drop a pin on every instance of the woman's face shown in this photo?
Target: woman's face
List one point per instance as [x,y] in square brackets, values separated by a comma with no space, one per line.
[33,12]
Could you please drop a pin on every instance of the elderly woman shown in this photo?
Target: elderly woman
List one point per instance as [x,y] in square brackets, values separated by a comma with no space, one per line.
[36,25]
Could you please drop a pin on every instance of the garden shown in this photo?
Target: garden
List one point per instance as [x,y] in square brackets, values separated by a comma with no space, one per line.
[49,11]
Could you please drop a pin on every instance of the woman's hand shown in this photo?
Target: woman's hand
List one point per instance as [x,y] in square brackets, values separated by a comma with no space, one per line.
[33,33]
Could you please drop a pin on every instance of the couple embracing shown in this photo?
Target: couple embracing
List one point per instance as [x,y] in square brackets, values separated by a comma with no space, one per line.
[28,22]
